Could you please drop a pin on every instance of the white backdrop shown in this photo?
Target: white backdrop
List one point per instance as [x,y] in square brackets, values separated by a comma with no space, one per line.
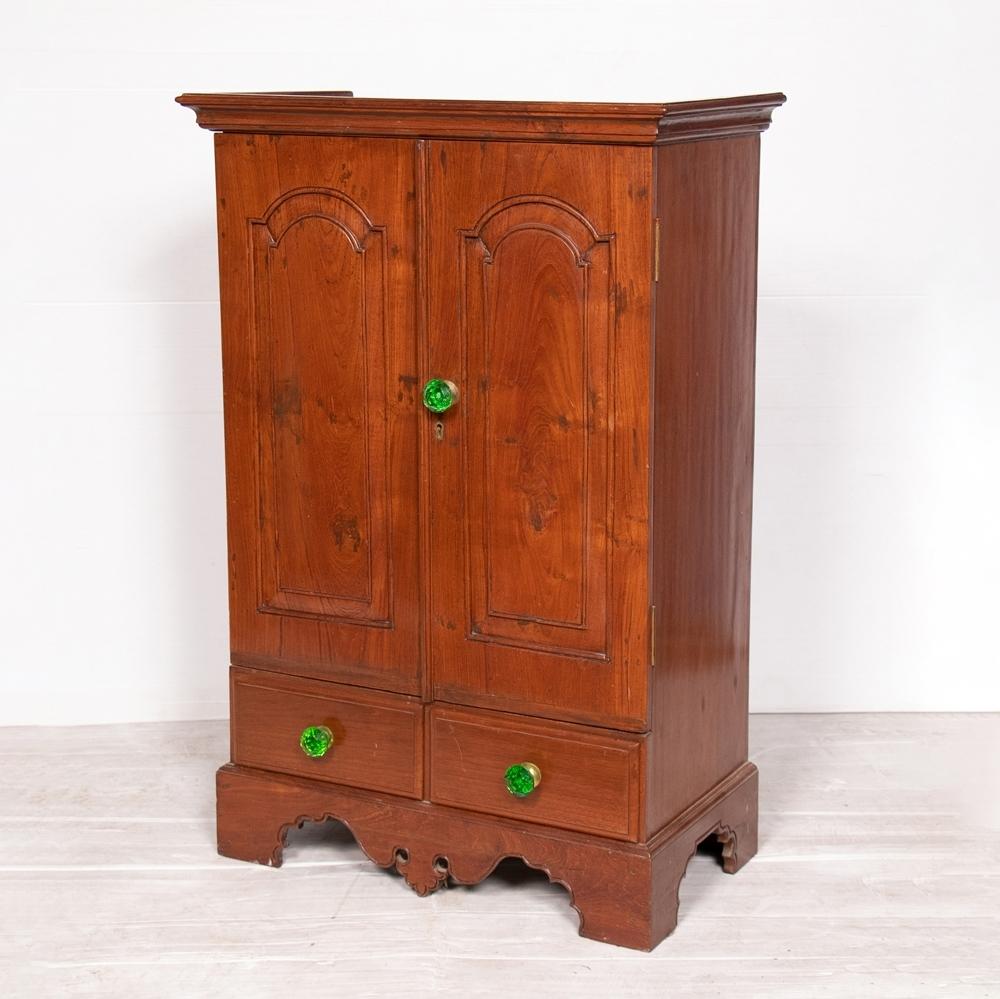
[876,546]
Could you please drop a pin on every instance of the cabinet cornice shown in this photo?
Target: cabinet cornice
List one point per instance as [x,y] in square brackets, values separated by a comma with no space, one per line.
[338,113]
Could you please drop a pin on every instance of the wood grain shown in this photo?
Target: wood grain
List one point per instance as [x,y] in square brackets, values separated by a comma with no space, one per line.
[319,325]
[537,336]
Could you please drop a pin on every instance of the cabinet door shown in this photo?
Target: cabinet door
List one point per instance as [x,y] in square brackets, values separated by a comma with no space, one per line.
[539,281]
[317,260]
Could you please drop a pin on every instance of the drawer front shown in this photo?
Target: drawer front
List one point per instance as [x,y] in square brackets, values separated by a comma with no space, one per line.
[589,777]
[377,738]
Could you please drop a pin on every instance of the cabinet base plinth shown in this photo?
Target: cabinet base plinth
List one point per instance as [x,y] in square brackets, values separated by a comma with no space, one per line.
[625,893]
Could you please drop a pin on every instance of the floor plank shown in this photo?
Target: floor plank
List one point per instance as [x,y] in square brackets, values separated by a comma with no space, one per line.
[878,875]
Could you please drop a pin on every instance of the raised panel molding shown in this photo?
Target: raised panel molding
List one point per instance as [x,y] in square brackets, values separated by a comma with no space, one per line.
[538,332]
[319,296]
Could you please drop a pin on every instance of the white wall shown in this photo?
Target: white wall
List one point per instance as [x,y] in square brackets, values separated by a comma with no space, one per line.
[876,542]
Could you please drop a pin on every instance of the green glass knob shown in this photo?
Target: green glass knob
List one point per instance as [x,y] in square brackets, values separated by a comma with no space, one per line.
[440,395]
[522,778]
[316,740]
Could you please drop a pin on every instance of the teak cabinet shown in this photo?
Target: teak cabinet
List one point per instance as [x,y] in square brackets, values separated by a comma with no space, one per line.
[489,374]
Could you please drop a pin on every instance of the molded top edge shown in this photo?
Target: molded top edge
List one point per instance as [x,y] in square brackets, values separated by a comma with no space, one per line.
[339,113]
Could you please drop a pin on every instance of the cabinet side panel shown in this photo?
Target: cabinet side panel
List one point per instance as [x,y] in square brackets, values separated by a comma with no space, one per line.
[702,467]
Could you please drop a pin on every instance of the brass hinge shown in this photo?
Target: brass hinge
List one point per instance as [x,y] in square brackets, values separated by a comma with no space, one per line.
[656,249]
[652,635]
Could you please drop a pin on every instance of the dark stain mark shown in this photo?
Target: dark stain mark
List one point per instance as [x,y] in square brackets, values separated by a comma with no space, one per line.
[287,400]
[345,174]
[443,158]
[510,440]
[394,251]
[222,201]
[641,192]
[535,519]
[346,528]
[408,383]
[563,422]
[484,384]
[322,406]
[327,406]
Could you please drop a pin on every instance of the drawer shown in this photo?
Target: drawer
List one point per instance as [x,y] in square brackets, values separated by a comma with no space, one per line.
[589,777]
[377,738]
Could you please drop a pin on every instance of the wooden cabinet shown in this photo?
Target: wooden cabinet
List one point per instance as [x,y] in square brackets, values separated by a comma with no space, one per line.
[489,430]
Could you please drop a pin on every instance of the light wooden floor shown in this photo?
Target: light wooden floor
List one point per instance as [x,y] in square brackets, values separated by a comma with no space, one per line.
[877,875]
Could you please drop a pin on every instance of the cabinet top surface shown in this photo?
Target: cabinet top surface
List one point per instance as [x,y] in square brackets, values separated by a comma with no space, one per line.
[340,113]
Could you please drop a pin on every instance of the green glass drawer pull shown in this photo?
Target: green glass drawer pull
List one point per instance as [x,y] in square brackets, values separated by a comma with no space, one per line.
[440,395]
[316,740]
[522,778]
